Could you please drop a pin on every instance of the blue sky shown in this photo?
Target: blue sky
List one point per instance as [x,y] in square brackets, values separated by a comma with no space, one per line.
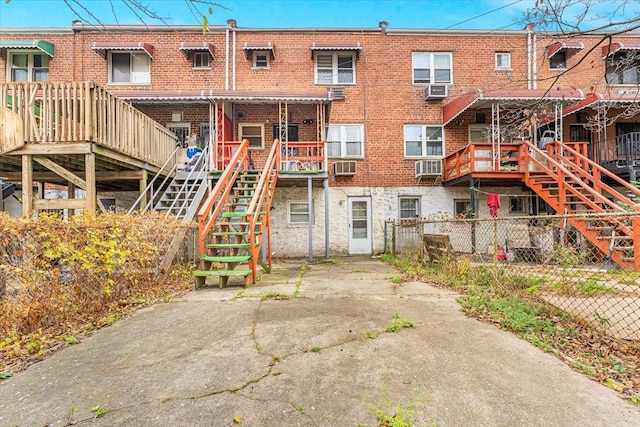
[436,14]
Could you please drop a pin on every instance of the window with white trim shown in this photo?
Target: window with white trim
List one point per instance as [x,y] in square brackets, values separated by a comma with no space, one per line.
[182,130]
[432,67]
[503,60]
[623,68]
[423,141]
[253,132]
[335,68]
[129,67]
[27,66]
[409,207]
[345,141]
[298,212]
[201,60]
[261,59]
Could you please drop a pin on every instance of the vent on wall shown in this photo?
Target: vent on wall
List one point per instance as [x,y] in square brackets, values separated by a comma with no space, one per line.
[344,168]
[176,116]
[429,167]
[336,92]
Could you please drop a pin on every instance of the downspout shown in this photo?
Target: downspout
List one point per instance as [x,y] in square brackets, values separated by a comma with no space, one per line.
[226,62]
[534,67]
[233,69]
[529,59]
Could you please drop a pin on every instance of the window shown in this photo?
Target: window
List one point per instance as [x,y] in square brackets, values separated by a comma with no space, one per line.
[201,60]
[409,207]
[254,133]
[298,212]
[462,208]
[429,67]
[261,59]
[503,61]
[345,141]
[129,68]
[335,68]
[479,133]
[182,131]
[28,67]
[423,141]
[517,204]
[558,61]
[623,68]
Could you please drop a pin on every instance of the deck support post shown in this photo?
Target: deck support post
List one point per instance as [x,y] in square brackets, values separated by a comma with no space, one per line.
[27,185]
[90,172]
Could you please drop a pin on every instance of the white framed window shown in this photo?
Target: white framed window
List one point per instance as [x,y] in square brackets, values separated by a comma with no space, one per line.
[261,59]
[335,68]
[201,60]
[432,67]
[298,212]
[479,133]
[253,132]
[182,130]
[129,67]
[345,141]
[423,141]
[517,204]
[25,66]
[409,207]
[623,68]
[503,60]
[558,61]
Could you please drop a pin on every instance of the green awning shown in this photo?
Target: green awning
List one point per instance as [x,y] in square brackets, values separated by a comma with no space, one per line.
[42,45]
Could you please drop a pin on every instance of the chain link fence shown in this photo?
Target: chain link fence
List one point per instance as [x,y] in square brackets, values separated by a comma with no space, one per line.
[586,265]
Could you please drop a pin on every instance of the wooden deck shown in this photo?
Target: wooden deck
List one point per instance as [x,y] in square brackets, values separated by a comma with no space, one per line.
[77,134]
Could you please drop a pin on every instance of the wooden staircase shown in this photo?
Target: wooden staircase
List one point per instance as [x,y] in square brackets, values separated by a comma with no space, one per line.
[234,222]
[566,179]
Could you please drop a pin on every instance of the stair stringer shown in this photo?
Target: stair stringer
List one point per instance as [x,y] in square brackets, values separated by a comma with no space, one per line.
[569,184]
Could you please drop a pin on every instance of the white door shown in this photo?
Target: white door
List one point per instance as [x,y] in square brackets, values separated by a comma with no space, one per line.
[359,217]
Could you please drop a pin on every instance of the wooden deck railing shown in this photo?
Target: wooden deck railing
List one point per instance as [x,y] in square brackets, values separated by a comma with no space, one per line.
[479,157]
[71,112]
[300,156]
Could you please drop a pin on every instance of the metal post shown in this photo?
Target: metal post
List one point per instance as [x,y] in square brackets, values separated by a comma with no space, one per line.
[310,203]
[326,218]
[473,213]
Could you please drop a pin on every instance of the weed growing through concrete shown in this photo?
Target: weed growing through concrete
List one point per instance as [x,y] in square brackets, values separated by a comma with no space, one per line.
[239,295]
[273,295]
[399,323]
[315,349]
[371,335]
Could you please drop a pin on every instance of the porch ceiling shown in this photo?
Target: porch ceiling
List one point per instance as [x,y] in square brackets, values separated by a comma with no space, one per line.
[506,97]
[594,99]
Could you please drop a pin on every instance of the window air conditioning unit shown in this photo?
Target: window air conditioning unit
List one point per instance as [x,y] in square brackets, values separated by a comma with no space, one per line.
[336,92]
[430,167]
[344,168]
[435,92]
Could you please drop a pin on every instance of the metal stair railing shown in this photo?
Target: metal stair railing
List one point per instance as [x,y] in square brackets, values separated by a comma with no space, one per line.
[192,189]
[150,188]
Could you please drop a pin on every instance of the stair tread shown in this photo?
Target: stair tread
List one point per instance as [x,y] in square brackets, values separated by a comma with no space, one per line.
[234,214]
[234,272]
[228,245]
[226,258]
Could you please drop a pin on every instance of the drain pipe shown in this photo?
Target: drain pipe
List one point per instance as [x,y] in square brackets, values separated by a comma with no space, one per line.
[226,60]
[529,29]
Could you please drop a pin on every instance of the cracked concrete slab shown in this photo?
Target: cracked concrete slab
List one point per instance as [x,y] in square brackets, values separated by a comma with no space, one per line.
[309,361]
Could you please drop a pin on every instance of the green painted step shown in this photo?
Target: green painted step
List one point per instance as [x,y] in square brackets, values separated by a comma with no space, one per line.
[236,272]
[236,223]
[226,258]
[233,214]
[228,245]
[232,233]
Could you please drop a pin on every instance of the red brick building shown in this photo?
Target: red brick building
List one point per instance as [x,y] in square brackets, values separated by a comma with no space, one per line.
[392,106]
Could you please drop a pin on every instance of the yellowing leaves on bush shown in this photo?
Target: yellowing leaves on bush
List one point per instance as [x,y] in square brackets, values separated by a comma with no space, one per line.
[59,276]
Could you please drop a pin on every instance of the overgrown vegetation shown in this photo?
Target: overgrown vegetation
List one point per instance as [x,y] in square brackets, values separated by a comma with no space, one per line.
[511,302]
[60,280]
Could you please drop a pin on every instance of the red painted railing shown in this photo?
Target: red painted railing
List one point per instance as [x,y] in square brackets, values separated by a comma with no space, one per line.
[306,156]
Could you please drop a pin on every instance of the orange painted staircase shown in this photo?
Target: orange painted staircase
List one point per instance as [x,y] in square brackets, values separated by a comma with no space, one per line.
[568,181]
[234,222]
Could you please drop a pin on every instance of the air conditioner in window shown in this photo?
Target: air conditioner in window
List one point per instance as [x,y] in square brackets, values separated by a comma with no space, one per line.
[429,167]
[435,92]
[344,168]
[336,92]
